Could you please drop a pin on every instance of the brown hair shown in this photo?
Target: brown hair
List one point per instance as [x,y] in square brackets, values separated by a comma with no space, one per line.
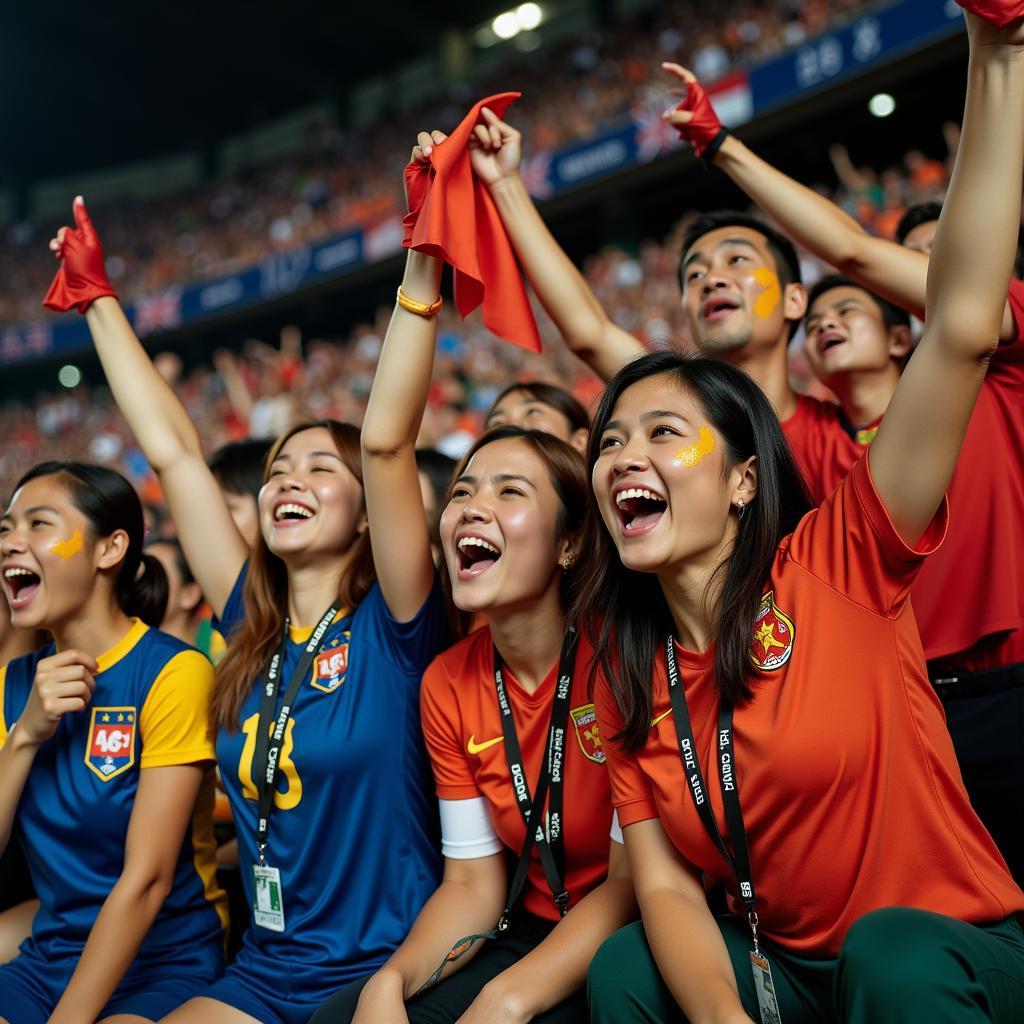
[265,592]
[568,475]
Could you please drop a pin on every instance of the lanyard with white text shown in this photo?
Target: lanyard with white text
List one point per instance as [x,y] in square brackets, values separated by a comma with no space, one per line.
[550,842]
[739,858]
[269,741]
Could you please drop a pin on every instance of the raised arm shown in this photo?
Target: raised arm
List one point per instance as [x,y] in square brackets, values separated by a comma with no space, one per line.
[158,420]
[894,272]
[913,456]
[496,152]
[394,503]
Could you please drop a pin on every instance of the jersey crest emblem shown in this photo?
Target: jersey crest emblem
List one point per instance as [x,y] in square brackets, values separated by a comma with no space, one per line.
[331,665]
[110,746]
[588,734]
[774,634]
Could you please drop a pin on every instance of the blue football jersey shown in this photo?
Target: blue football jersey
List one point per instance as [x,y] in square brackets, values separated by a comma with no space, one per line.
[150,708]
[353,829]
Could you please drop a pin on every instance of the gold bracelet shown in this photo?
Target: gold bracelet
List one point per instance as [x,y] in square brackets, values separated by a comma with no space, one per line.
[419,308]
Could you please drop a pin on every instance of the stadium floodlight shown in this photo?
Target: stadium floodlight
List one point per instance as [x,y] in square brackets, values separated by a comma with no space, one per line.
[69,376]
[881,104]
[506,25]
[529,16]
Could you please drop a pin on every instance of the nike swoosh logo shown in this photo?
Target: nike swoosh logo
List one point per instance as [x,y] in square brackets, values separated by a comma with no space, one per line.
[655,721]
[474,748]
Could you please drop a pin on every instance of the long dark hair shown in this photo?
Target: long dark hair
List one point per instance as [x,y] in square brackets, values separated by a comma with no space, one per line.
[626,610]
[265,593]
[109,502]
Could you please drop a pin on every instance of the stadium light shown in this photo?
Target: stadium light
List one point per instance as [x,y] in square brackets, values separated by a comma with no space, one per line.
[69,376]
[506,25]
[529,16]
[881,104]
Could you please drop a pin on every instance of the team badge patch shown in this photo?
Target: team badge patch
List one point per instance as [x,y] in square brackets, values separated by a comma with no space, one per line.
[774,633]
[331,665]
[587,732]
[110,748]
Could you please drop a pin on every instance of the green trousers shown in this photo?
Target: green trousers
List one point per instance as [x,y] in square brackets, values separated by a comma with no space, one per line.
[897,966]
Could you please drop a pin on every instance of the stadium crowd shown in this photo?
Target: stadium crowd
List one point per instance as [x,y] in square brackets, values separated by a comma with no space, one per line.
[266,386]
[347,179]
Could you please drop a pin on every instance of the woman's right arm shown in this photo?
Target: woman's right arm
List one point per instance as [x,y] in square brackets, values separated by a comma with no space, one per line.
[63,685]
[495,151]
[468,901]
[687,944]
[213,547]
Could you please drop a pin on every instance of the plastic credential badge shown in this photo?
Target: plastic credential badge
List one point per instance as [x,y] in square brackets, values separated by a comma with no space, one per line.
[765,989]
[267,908]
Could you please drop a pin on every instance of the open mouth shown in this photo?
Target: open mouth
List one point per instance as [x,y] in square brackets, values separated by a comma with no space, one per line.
[830,339]
[476,556]
[639,509]
[291,512]
[22,585]
[719,307]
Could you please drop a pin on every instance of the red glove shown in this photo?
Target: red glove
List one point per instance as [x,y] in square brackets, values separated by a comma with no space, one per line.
[82,277]
[417,185]
[702,128]
[998,12]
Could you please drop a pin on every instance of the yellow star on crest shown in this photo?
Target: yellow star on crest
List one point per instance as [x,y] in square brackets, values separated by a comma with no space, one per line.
[106,718]
[765,636]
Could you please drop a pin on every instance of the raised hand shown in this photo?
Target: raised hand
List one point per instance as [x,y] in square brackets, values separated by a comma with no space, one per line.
[495,149]
[63,685]
[695,118]
[998,12]
[417,178]
[82,277]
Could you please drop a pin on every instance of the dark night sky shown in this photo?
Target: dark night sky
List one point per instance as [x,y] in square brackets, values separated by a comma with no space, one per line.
[95,84]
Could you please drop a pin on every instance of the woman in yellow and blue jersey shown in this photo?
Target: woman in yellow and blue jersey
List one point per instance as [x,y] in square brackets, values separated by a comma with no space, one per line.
[106,763]
[316,705]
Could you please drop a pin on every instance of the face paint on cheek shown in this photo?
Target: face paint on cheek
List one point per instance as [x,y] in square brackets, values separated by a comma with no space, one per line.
[696,453]
[67,548]
[768,301]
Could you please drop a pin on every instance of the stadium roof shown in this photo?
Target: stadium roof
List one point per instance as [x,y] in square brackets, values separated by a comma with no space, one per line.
[97,84]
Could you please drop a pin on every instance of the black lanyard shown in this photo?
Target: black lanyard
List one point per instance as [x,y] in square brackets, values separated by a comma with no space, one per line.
[550,842]
[267,754]
[738,859]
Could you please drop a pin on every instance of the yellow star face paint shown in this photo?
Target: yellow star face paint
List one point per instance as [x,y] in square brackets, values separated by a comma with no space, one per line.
[67,548]
[695,453]
[768,301]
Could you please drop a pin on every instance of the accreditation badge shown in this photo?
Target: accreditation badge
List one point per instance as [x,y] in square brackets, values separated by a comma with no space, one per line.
[765,988]
[267,908]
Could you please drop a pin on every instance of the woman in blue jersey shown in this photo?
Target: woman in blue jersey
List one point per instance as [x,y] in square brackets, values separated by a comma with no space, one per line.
[319,689]
[106,764]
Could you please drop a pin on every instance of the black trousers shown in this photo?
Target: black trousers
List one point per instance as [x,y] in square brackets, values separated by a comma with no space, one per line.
[449,999]
[988,734]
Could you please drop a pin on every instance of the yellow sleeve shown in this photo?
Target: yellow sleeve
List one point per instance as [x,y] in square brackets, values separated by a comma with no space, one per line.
[3,700]
[174,722]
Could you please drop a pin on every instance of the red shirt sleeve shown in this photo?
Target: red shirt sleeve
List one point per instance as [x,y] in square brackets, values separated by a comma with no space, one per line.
[850,543]
[632,796]
[439,711]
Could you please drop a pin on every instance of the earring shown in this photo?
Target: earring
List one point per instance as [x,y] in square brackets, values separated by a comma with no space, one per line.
[568,560]
[741,509]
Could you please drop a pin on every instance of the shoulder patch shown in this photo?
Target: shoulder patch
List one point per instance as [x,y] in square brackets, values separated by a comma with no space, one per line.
[584,718]
[331,664]
[774,635]
[110,746]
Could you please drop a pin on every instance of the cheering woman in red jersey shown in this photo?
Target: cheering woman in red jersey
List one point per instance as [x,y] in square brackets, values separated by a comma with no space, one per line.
[769,721]
[498,708]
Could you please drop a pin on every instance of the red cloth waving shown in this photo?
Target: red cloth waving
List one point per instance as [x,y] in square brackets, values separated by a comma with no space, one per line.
[452,217]
[82,276]
[999,12]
